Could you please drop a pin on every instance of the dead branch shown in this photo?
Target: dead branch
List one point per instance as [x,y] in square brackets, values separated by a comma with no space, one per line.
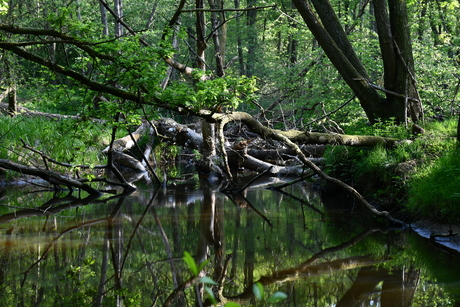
[50,176]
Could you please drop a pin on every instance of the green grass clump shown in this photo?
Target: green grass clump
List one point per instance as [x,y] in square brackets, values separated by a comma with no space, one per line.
[434,189]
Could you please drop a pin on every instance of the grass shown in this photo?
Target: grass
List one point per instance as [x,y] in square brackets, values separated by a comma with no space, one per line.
[435,189]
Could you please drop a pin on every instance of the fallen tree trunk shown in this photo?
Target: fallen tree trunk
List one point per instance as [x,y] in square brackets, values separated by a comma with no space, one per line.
[306,137]
[252,159]
[268,133]
[251,163]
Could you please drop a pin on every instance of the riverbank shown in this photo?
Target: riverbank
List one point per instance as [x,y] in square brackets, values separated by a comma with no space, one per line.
[445,236]
[417,179]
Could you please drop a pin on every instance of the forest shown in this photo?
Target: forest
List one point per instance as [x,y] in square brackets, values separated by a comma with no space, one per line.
[356,96]
[260,86]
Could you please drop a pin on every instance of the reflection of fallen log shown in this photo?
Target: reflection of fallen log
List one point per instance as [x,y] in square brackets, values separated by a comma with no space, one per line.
[51,207]
[50,176]
[288,137]
[397,287]
[433,236]
[303,272]
[310,268]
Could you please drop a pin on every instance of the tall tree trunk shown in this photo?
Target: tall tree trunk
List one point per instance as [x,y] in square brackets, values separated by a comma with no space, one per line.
[10,81]
[333,27]
[119,12]
[105,27]
[200,36]
[370,100]
[396,47]
[396,52]
[239,43]
[218,48]
[251,39]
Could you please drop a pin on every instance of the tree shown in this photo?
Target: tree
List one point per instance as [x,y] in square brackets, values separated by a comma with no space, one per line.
[400,84]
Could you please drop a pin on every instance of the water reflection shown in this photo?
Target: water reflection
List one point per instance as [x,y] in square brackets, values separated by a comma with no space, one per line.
[126,250]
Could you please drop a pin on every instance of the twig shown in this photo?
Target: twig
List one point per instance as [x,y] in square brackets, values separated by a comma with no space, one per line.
[48,158]
[279,187]
[332,112]
[254,179]
[388,91]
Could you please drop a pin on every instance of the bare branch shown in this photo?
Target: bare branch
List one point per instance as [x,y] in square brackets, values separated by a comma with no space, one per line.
[50,176]
[228,10]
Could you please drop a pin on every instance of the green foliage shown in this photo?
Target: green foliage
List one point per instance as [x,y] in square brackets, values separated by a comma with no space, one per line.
[257,289]
[3,6]
[431,186]
[65,140]
[194,268]
[228,92]
[259,293]
[434,189]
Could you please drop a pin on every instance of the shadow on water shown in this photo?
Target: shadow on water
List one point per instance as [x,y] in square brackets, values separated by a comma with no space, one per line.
[126,250]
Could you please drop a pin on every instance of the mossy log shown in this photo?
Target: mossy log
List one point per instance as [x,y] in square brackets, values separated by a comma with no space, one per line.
[306,137]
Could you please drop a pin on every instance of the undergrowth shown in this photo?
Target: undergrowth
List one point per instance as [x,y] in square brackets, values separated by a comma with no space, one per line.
[65,140]
[421,175]
[434,189]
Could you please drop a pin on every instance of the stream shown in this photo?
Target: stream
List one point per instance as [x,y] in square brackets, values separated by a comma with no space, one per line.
[68,249]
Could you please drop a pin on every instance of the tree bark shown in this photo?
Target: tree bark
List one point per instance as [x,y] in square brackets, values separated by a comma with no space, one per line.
[12,103]
[369,98]
[396,53]
[105,27]
[201,44]
[251,39]
[118,9]
[405,75]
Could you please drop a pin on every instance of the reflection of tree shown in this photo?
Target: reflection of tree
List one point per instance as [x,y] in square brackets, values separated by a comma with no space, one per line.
[74,203]
[398,287]
[310,268]
[125,250]
[211,235]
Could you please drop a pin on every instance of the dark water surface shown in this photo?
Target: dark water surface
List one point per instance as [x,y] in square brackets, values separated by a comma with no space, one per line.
[127,251]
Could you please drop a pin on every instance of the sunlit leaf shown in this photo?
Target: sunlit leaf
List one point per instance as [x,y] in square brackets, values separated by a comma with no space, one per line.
[3,6]
[258,290]
[210,295]
[232,304]
[208,280]
[276,297]
[191,263]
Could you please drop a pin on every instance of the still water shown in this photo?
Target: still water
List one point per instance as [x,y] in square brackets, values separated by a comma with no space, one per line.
[127,250]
